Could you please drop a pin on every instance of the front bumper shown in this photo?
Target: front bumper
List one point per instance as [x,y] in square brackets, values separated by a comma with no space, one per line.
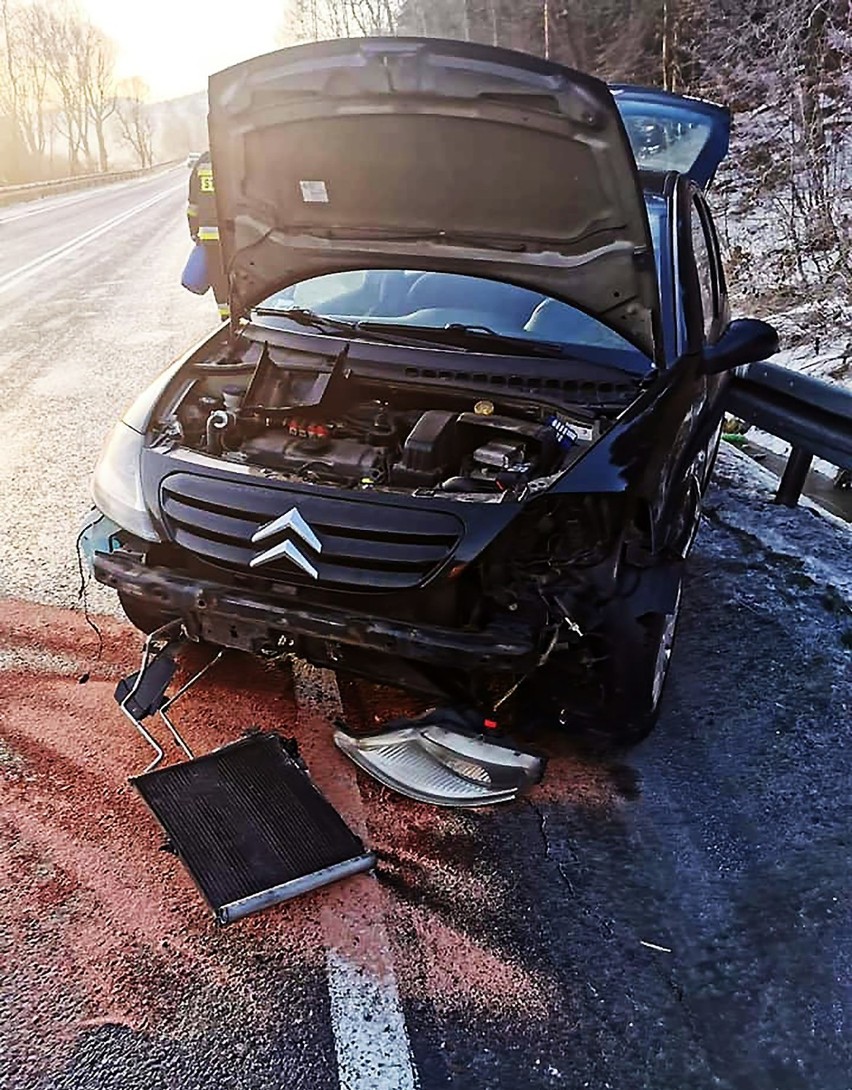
[229,617]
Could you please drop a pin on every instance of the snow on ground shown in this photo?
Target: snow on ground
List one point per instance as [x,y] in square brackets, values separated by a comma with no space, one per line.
[783,448]
[800,295]
[828,357]
[800,289]
[815,544]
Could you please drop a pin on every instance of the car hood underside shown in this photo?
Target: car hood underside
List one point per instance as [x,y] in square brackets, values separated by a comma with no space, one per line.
[415,153]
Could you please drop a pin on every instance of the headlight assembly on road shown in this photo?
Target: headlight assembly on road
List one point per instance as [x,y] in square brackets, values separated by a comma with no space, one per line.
[117,483]
[430,763]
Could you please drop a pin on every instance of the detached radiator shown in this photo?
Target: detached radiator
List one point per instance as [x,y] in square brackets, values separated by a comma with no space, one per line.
[249,825]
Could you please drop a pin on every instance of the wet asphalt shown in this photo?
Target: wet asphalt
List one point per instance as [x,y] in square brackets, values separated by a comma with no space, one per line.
[82,332]
[672,917]
[685,907]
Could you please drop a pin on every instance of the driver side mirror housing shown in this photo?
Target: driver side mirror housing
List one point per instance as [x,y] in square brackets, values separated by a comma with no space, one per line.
[746,340]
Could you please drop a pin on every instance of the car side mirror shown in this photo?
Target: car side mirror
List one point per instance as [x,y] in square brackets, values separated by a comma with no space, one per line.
[746,340]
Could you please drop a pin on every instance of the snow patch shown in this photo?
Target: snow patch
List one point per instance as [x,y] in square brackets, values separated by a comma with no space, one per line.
[813,539]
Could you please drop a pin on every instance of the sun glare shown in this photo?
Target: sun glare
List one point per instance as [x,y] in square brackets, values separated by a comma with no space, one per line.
[175,44]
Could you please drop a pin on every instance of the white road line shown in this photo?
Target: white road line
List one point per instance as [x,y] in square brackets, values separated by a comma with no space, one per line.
[370,1036]
[32,268]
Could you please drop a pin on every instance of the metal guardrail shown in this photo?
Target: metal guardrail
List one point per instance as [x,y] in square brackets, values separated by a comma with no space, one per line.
[32,190]
[815,417]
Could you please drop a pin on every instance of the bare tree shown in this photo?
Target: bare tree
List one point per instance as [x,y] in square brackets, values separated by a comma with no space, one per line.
[34,102]
[612,38]
[23,91]
[134,119]
[9,86]
[97,75]
[10,89]
[56,74]
[312,20]
[60,38]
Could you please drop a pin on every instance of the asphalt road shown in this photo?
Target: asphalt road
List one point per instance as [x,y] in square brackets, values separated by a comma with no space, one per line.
[676,917]
[91,309]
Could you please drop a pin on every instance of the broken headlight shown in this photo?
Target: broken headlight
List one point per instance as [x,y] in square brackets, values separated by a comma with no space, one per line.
[433,763]
[117,483]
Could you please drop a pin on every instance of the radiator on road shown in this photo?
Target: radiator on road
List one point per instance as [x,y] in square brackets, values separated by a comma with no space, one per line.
[250,826]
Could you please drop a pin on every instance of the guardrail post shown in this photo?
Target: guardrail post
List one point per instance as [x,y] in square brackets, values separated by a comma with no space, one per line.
[793,480]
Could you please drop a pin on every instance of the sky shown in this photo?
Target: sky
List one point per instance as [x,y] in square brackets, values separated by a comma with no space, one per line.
[175,44]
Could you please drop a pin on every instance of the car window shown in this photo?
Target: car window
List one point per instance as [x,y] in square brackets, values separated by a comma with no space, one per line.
[665,144]
[704,267]
[437,299]
[314,293]
[670,132]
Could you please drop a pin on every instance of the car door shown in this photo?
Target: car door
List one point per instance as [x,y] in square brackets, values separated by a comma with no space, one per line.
[706,314]
[673,132]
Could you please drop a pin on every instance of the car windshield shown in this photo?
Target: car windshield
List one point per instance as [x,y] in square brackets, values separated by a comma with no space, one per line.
[412,299]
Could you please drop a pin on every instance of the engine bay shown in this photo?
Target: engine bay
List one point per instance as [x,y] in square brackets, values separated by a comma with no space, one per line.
[319,425]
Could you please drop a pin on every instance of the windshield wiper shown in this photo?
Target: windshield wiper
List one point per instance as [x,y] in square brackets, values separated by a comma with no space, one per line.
[473,338]
[455,335]
[303,316]
[469,338]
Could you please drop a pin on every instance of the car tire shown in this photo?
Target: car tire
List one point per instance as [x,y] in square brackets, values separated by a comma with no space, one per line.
[143,615]
[635,673]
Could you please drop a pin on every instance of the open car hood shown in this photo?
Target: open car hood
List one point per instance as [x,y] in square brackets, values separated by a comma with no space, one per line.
[434,155]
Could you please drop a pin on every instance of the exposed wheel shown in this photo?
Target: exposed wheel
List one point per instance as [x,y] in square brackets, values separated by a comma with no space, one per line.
[664,649]
[636,669]
[614,684]
[686,520]
[142,615]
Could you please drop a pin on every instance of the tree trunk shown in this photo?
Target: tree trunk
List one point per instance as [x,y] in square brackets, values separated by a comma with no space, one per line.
[668,44]
[814,47]
[103,158]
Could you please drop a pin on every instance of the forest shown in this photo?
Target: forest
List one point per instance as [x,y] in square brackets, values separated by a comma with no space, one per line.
[64,112]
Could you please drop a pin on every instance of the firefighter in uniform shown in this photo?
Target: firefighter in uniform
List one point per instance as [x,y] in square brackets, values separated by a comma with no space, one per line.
[204,267]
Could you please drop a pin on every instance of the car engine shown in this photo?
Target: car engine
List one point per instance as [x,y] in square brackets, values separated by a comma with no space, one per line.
[473,447]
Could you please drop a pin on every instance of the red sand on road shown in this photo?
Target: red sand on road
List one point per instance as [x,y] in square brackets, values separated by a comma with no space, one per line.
[101,926]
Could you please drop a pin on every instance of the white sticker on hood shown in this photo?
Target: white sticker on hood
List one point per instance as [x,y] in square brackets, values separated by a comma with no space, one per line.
[314,192]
